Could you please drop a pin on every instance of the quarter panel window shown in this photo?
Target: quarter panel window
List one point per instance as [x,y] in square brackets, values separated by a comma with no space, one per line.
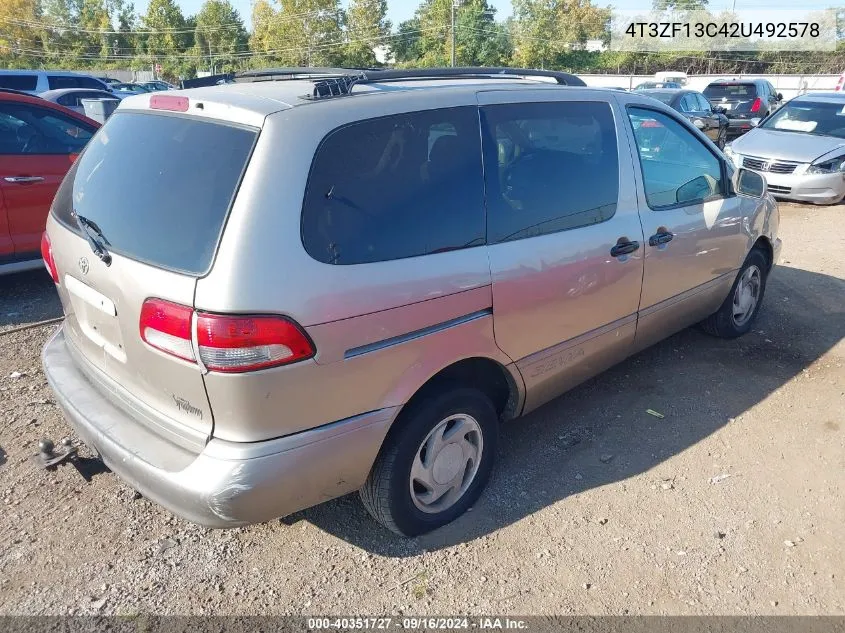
[677,168]
[549,167]
[395,187]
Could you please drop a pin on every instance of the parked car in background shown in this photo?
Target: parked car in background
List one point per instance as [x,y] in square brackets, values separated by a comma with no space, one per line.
[157,86]
[127,89]
[652,85]
[39,141]
[38,81]
[109,81]
[439,223]
[72,97]
[673,76]
[695,107]
[746,102]
[800,149]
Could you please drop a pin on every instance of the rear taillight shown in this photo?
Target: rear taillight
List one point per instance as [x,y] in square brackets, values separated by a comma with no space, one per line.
[226,343]
[47,256]
[167,326]
[238,343]
[755,107]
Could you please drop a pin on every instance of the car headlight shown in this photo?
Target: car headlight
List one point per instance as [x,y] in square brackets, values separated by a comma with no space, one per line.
[830,166]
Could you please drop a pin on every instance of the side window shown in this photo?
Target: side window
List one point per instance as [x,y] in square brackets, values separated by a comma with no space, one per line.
[18,82]
[57,82]
[677,168]
[70,99]
[549,167]
[703,103]
[90,83]
[689,103]
[395,187]
[32,130]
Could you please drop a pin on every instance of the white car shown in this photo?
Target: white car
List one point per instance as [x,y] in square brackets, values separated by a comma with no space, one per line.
[72,97]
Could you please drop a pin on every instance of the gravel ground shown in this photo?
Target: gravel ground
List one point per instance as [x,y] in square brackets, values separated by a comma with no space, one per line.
[731,504]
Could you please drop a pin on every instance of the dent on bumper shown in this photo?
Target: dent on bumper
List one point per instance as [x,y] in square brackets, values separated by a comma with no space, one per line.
[229,483]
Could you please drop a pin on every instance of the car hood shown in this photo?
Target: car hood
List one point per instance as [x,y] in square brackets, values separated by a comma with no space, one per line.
[791,146]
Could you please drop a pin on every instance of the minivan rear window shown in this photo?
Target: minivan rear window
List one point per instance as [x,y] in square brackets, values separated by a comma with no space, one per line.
[18,82]
[159,187]
[731,91]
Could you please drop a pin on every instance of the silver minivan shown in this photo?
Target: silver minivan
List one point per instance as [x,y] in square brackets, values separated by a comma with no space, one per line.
[340,283]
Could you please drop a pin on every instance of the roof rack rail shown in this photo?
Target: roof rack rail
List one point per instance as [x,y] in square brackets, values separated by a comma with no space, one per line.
[308,72]
[471,72]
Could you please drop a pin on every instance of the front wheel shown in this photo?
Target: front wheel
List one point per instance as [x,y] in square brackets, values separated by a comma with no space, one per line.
[435,462]
[737,313]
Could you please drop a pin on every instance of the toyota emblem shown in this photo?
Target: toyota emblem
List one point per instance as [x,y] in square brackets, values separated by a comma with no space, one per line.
[83,265]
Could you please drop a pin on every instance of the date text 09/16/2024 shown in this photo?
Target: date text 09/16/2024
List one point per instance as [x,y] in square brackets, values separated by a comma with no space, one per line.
[416,623]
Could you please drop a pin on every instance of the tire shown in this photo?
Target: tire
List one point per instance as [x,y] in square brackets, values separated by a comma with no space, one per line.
[725,322]
[390,494]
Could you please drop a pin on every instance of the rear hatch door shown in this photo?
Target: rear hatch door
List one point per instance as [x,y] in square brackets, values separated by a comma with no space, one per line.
[736,97]
[154,190]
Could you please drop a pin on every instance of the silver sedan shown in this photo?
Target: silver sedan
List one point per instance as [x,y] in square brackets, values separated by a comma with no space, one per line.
[800,149]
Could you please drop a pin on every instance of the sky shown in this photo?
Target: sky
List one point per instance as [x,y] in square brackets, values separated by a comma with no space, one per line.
[400,10]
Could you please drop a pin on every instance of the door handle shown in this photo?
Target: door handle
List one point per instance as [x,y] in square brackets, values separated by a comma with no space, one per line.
[23,179]
[624,247]
[661,237]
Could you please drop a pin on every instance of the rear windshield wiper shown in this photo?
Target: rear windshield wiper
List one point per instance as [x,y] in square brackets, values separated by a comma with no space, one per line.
[94,236]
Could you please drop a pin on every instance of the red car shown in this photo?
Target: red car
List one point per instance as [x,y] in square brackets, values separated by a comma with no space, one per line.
[39,141]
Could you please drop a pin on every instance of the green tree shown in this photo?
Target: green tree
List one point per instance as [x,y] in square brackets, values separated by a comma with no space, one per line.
[167,37]
[406,45]
[220,35]
[305,33]
[545,31]
[366,28]
[21,44]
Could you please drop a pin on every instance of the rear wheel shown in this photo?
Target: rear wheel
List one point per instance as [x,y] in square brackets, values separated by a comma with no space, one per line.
[434,463]
[736,315]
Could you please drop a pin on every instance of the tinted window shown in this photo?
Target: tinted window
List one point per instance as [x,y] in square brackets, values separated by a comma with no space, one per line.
[18,82]
[27,129]
[159,187]
[73,81]
[689,103]
[677,168]
[549,167]
[703,103]
[395,187]
[731,91]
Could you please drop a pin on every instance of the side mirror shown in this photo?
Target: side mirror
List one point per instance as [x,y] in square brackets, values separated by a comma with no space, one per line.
[719,110]
[697,189]
[749,183]
[780,97]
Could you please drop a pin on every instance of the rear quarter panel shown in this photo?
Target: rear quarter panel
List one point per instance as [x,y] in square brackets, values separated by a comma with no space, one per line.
[262,267]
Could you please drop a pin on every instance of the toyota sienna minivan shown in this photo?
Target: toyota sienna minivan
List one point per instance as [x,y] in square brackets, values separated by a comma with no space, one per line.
[344,281]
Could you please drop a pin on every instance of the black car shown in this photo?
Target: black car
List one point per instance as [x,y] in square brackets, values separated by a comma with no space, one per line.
[746,102]
[695,107]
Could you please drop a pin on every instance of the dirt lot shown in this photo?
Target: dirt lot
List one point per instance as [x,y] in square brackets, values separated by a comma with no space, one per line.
[733,503]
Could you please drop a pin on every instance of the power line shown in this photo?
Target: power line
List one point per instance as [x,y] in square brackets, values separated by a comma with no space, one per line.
[202,56]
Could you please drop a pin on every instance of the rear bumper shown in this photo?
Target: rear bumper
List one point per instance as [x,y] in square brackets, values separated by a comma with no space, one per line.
[739,126]
[227,484]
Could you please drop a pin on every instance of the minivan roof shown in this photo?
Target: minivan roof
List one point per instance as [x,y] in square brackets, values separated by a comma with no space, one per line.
[266,97]
[57,73]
